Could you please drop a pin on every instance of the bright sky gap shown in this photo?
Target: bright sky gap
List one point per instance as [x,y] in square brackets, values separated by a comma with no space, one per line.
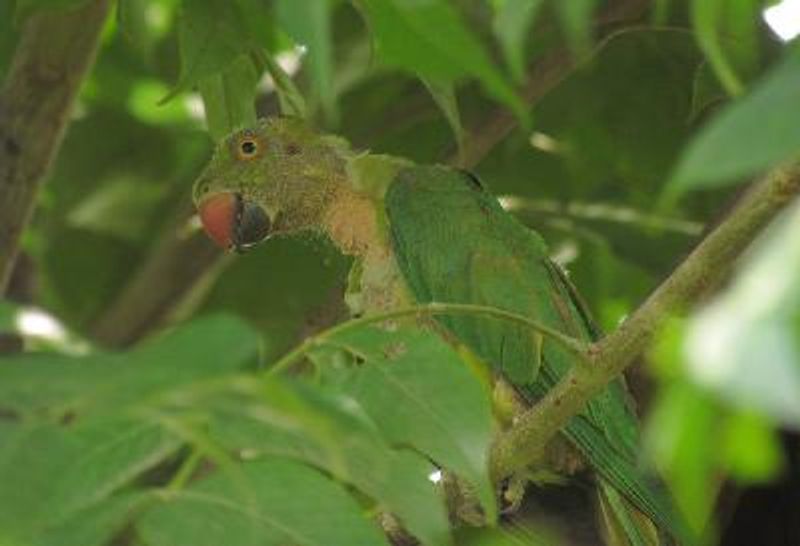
[784,19]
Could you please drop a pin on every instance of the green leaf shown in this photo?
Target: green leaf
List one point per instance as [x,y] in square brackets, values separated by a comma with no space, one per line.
[706,91]
[420,393]
[445,96]
[57,480]
[212,35]
[31,461]
[576,23]
[229,97]
[512,21]
[44,386]
[97,525]
[752,134]
[111,453]
[260,21]
[727,31]
[429,39]
[332,432]
[276,502]
[308,22]
[752,448]
[705,17]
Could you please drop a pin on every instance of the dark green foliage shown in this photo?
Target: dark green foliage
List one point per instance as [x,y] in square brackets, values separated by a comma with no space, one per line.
[101,446]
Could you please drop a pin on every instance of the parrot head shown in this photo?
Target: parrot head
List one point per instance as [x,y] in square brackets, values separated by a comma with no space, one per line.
[276,177]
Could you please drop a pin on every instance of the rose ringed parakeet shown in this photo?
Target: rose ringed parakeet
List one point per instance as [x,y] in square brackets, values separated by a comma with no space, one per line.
[434,234]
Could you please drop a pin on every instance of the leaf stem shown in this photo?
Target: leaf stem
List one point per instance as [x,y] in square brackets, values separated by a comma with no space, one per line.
[185,471]
[575,346]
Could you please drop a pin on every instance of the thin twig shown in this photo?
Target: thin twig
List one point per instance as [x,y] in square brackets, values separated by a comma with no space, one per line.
[575,346]
[709,263]
[603,212]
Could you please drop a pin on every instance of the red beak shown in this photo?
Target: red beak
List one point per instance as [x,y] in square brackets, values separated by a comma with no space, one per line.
[218,216]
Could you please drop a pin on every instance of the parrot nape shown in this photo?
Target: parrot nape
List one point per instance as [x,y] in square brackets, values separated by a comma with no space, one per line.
[423,234]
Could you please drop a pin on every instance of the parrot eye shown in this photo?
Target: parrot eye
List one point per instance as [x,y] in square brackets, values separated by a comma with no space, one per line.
[248,147]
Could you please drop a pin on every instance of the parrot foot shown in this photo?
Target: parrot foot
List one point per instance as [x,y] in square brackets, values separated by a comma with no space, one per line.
[512,493]
[462,503]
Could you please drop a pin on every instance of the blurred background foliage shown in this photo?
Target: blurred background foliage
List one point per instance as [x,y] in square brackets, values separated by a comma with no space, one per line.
[657,111]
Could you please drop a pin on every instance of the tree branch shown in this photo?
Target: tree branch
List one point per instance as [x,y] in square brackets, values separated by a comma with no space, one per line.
[54,54]
[173,269]
[709,263]
[574,346]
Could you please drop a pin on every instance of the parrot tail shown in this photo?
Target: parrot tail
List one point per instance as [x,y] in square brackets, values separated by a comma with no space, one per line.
[621,523]
[620,481]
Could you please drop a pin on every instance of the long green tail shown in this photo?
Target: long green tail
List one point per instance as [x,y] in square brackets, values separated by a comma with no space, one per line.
[614,470]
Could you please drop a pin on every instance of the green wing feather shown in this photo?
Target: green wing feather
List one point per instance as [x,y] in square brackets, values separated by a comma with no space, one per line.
[454,243]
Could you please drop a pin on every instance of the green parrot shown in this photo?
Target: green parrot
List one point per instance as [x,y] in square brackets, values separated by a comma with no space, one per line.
[424,234]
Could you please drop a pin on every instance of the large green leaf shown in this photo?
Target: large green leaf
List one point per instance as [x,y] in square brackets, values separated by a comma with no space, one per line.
[31,461]
[89,444]
[38,385]
[268,502]
[429,39]
[213,34]
[110,454]
[97,525]
[752,134]
[57,483]
[229,97]
[420,393]
[332,433]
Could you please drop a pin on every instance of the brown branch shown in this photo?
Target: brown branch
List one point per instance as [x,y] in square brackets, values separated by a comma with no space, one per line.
[709,263]
[173,269]
[53,56]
